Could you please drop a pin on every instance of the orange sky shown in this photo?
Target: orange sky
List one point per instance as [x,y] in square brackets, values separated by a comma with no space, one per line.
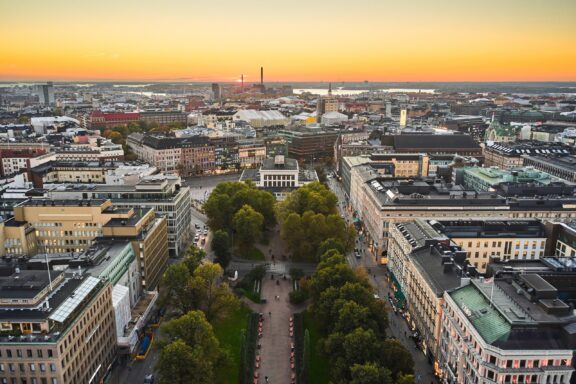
[296,40]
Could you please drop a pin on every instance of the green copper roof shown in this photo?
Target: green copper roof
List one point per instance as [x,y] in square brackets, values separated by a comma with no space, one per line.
[489,323]
[501,130]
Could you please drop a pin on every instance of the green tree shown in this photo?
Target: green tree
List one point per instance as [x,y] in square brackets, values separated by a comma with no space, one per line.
[329,244]
[369,373]
[180,363]
[175,283]
[194,330]
[229,197]
[397,358]
[321,172]
[248,226]
[212,296]
[193,258]
[221,247]
[405,379]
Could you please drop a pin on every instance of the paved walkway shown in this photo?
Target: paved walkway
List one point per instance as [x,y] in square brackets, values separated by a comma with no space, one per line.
[276,340]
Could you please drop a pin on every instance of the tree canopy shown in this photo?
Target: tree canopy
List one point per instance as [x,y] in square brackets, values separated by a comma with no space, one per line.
[191,285]
[247,224]
[311,224]
[354,331]
[221,247]
[194,354]
[229,197]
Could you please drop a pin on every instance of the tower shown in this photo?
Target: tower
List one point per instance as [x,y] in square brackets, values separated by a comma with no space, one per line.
[403,116]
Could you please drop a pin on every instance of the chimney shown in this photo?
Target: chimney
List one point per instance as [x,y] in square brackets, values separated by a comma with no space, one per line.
[262,77]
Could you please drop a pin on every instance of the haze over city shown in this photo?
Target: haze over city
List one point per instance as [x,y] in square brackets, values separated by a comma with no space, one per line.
[321,40]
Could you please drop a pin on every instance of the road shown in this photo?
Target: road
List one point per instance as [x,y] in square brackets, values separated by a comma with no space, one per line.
[398,326]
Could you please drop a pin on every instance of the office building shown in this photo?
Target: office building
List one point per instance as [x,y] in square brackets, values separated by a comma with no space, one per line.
[55,329]
[563,167]
[496,179]
[460,144]
[510,155]
[379,202]
[45,93]
[162,193]
[309,144]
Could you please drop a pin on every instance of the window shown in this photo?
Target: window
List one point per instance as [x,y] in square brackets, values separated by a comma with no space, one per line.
[52,367]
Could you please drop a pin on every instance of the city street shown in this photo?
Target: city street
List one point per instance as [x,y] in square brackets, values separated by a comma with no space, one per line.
[398,326]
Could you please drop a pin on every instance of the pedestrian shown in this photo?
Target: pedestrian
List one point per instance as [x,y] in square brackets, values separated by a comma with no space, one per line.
[269,314]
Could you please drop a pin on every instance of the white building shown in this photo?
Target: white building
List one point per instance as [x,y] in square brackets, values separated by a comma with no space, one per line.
[41,124]
[260,119]
[279,176]
[333,118]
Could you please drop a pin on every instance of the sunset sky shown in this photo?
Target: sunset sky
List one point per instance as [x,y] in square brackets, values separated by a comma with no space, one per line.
[295,40]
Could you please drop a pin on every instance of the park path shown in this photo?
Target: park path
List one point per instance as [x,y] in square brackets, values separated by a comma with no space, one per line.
[276,339]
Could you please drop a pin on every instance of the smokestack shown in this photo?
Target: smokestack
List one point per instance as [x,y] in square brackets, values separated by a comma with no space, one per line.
[262,77]
[242,81]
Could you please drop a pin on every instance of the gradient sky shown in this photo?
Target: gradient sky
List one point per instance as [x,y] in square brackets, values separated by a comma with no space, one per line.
[295,40]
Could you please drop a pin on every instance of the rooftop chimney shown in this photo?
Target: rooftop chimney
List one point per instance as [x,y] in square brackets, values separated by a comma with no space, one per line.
[262,77]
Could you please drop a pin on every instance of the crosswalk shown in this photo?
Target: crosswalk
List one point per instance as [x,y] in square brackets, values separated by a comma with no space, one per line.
[279,268]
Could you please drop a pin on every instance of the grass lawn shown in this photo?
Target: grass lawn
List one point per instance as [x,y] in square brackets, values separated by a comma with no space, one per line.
[318,368]
[228,333]
[253,254]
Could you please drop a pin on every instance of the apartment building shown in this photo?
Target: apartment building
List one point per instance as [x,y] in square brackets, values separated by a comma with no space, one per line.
[55,330]
[15,161]
[501,332]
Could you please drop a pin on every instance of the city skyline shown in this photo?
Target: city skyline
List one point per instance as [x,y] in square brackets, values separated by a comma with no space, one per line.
[320,41]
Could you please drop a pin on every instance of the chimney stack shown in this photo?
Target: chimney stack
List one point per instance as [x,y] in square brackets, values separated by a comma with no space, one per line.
[262,77]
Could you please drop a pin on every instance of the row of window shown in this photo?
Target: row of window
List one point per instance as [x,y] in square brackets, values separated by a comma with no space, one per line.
[33,380]
[23,368]
[19,354]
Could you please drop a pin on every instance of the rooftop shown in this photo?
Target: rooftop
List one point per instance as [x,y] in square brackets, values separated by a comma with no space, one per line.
[490,228]
[25,284]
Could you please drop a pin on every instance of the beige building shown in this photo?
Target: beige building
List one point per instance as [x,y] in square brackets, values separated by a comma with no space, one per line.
[379,202]
[55,331]
[487,240]
[67,225]
[149,237]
